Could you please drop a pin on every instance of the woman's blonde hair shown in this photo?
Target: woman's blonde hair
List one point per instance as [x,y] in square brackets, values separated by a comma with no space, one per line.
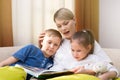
[63,14]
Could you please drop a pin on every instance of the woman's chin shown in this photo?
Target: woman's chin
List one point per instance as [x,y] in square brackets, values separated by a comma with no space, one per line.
[67,37]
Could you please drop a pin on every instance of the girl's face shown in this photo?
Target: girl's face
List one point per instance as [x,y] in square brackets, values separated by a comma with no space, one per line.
[66,27]
[79,52]
[50,45]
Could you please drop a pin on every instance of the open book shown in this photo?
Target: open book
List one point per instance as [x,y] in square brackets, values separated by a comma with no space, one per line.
[42,73]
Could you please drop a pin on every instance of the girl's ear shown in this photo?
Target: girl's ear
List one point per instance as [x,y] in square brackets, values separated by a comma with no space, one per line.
[89,47]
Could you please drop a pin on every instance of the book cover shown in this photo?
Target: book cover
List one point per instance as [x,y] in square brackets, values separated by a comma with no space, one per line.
[43,73]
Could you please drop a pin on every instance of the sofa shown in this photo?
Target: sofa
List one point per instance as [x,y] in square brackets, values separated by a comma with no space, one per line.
[114,54]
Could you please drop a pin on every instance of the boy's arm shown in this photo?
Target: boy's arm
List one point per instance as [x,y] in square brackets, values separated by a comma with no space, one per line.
[8,61]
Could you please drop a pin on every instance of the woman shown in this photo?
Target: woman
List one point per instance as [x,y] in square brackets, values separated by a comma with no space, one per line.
[65,22]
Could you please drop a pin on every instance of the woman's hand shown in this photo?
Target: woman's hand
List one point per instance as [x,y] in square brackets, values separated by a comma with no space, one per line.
[108,75]
[40,39]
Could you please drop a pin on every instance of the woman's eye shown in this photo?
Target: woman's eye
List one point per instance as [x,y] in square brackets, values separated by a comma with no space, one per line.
[58,26]
[66,23]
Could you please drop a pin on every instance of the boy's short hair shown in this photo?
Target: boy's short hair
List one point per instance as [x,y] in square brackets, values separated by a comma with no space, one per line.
[53,32]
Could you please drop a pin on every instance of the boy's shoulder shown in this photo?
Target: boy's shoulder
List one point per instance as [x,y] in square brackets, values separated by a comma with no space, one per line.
[31,46]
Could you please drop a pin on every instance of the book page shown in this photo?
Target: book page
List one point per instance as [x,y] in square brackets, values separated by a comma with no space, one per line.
[43,73]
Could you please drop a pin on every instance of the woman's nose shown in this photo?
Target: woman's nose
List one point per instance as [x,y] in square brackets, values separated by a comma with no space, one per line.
[63,27]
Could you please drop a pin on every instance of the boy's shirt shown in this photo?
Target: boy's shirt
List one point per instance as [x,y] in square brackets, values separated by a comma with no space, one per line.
[33,56]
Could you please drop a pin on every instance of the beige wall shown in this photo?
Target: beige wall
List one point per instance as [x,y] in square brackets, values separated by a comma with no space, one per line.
[109,23]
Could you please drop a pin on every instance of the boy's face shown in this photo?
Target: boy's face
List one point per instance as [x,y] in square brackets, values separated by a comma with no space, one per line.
[79,52]
[50,45]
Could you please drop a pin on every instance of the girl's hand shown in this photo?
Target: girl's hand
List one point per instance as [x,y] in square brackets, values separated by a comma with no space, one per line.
[40,39]
[82,70]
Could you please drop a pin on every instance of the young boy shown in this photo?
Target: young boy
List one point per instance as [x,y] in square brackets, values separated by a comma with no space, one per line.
[33,56]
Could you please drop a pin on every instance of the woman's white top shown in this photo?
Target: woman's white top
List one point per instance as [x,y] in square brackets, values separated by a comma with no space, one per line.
[64,60]
[65,51]
[92,62]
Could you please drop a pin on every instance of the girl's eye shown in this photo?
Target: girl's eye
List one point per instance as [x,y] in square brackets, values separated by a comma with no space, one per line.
[55,44]
[72,50]
[78,50]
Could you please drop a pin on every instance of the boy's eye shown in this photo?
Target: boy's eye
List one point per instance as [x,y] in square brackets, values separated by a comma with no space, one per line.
[49,42]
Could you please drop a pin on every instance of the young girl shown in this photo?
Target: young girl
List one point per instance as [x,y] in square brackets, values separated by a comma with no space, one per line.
[83,60]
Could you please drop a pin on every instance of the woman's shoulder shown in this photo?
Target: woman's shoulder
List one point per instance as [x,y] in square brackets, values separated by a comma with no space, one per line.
[93,56]
[65,46]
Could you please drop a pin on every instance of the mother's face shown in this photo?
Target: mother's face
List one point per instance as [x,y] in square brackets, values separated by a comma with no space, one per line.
[66,27]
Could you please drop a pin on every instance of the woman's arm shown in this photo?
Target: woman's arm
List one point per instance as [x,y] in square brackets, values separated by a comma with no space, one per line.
[111,73]
[8,61]
[40,39]
[108,75]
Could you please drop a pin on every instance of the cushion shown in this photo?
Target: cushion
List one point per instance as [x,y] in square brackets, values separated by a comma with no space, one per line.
[117,79]
[12,73]
[75,77]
